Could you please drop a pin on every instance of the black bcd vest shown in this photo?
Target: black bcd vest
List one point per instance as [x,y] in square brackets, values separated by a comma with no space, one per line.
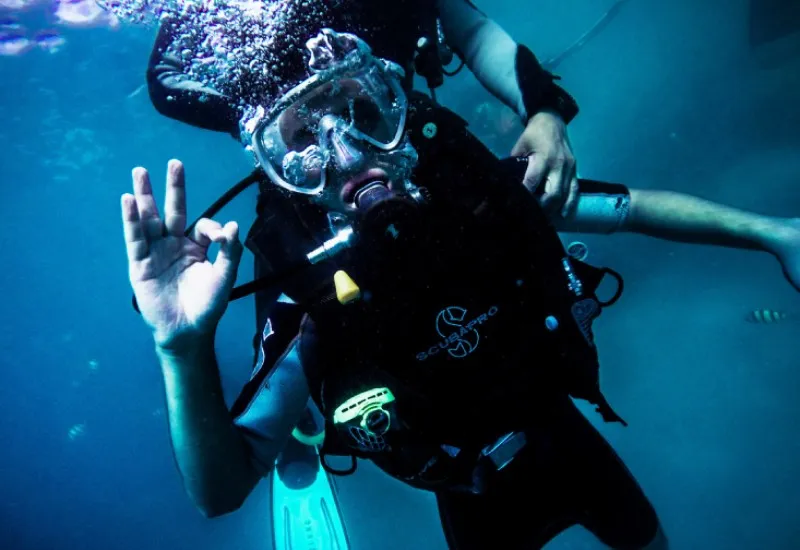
[474,322]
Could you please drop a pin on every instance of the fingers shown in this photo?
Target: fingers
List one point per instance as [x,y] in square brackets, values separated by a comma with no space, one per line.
[135,241]
[572,197]
[175,199]
[521,147]
[535,173]
[554,180]
[230,252]
[148,211]
[206,231]
[553,195]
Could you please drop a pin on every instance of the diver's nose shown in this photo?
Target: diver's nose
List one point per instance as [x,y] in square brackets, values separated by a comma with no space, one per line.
[348,157]
[346,153]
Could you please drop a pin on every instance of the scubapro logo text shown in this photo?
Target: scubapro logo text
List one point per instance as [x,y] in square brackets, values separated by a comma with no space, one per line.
[460,337]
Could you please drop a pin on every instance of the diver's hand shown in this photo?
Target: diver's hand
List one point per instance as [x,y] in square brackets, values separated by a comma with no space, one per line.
[550,162]
[785,245]
[180,293]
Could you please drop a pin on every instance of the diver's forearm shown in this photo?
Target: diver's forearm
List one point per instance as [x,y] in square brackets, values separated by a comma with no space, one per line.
[685,218]
[486,48]
[210,453]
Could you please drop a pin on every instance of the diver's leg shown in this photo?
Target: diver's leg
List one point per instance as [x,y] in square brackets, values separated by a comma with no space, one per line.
[526,507]
[265,305]
[519,519]
[606,498]
[297,461]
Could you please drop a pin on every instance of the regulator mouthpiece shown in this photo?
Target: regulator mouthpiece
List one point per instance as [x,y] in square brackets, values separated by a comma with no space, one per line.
[372,194]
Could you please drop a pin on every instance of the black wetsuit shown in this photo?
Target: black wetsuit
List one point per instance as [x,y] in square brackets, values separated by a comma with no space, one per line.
[568,474]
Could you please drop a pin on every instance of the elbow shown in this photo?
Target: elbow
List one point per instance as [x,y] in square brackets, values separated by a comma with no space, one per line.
[224,496]
[212,512]
[217,510]
[470,40]
[221,505]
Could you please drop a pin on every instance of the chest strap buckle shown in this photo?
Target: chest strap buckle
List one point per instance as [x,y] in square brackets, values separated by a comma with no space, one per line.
[505,449]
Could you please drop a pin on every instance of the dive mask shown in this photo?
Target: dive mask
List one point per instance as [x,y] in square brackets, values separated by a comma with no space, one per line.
[349,114]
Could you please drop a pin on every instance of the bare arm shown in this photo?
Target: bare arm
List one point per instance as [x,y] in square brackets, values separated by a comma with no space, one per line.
[608,208]
[210,453]
[513,74]
[221,459]
[182,296]
[689,219]
[488,50]
[508,70]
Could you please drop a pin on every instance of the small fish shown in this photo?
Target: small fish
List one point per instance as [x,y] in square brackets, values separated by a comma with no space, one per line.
[766,316]
[76,431]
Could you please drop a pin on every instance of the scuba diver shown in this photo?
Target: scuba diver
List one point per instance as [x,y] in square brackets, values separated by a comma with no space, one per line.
[434,319]
[422,37]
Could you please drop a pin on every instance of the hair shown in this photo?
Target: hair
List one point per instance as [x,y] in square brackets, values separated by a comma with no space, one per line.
[256,56]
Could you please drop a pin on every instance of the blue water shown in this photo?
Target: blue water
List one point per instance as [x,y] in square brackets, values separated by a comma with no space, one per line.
[671,97]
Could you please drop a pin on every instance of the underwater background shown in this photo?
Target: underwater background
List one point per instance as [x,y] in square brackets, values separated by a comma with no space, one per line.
[673,95]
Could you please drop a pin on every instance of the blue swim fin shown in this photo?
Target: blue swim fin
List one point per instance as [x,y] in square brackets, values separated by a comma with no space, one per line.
[305,510]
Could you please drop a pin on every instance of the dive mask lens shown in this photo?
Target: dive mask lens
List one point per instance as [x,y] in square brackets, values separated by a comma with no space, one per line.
[294,143]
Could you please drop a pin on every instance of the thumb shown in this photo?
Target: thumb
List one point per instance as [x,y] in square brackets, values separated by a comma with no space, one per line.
[525,145]
[230,253]
[521,147]
[534,174]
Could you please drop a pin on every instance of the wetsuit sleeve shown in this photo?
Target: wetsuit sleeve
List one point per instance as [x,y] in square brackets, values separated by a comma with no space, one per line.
[508,70]
[176,96]
[602,208]
[272,402]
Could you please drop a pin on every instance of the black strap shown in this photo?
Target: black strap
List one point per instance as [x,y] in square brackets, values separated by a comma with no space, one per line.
[427,61]
[552,63]
[620,287]
[538,87]
[323,459]
[255,176]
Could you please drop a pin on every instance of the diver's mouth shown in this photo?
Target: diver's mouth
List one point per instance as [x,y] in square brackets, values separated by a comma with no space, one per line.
[368,190]
[354,188]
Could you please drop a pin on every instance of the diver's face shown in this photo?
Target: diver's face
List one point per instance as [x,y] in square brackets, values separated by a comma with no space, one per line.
[352,168]
[352,164]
